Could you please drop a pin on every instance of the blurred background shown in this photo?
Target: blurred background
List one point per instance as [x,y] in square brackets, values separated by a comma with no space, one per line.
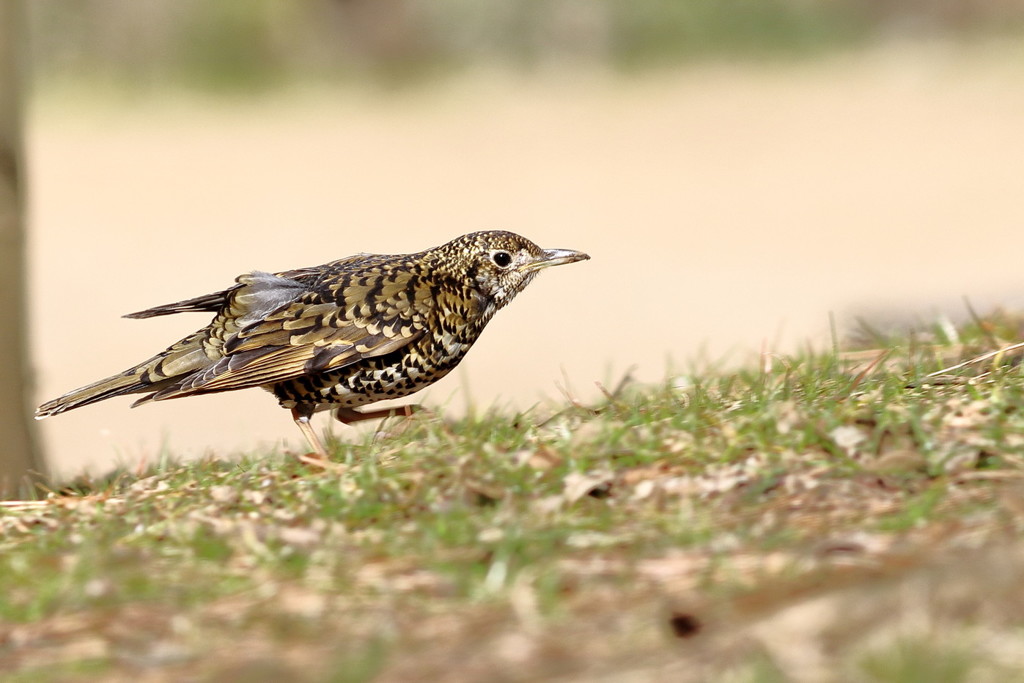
[741,172]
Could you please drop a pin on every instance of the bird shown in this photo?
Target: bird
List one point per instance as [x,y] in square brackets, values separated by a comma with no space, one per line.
[339,336]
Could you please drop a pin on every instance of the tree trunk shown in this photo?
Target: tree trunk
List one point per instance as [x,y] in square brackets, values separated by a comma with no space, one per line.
[20,461]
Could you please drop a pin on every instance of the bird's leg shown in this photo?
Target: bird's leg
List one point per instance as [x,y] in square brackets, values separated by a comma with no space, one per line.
[301,415]
[350,415]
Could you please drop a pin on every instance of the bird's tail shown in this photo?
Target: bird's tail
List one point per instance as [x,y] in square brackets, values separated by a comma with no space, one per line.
[255,295]
[160,371]
[127,382]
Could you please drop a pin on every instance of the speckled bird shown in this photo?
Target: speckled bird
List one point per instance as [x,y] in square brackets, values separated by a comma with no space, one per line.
[339,336]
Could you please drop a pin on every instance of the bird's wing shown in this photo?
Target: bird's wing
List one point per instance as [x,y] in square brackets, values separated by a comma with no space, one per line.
[321,330]
[206,302]
[218,300]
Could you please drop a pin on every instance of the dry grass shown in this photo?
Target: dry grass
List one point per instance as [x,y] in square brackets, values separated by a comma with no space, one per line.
[852,516]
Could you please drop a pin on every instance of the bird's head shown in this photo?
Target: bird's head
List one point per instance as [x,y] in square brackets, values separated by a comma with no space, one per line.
[499,264]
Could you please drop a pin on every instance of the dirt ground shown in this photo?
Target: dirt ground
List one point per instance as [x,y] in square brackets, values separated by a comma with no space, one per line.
[727,209]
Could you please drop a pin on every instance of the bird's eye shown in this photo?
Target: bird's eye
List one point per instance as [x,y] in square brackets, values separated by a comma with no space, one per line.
[501,259]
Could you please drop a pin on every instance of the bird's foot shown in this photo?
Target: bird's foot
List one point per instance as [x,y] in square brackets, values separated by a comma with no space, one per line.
[321,462]
[350,415]
[397,428]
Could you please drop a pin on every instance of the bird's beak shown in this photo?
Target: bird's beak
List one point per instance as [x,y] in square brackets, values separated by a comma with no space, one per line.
[554,257]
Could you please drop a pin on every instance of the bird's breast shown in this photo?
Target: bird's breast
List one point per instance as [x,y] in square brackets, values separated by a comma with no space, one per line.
[453,344]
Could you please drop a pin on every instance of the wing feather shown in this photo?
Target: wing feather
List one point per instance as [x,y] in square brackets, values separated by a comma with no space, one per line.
[312,334]
[217,300]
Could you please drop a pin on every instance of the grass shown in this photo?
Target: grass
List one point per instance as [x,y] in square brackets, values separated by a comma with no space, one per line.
[851,515]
